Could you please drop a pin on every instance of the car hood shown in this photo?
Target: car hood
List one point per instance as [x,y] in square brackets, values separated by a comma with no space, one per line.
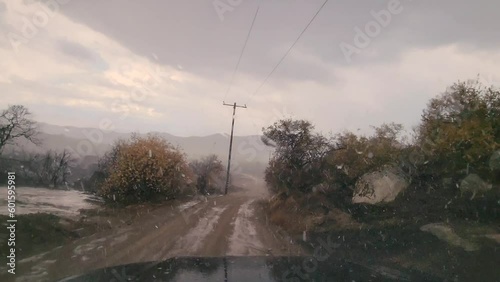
[261,269]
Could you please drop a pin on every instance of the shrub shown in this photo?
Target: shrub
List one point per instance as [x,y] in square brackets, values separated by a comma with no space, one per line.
[460,130]
[208,172]
[459,135]
[356,155]
[298,157]
[142,169]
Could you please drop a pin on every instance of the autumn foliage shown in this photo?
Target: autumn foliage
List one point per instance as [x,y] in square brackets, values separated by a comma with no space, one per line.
[460,130]
[458,137]
[142,169]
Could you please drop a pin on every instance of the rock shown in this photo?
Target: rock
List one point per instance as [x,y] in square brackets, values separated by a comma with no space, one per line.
[292,203]
[473,183]
[447,182]
[446,233]
[494,237]
[495,161]
[381,186]
[312,222]
[320,188]
[341,219]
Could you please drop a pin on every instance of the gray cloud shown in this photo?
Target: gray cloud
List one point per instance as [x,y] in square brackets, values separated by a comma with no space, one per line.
[3,7]
[81,53]
[190,33]
[390,80]
[3,10]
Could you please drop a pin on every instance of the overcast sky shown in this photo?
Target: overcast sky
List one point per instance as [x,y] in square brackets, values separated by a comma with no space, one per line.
[155,65]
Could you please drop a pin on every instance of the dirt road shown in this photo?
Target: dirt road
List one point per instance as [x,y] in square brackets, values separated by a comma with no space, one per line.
[232,225]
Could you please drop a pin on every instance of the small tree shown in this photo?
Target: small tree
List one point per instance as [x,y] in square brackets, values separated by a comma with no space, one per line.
[142,169]
[208,172]
[298,158]
[461,129]
[61,169]
[16,122]
[48,169]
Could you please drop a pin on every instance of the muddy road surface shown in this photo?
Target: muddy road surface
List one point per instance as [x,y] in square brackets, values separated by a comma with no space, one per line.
[231,225]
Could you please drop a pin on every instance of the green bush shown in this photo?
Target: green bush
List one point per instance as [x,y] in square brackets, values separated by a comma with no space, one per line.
[460,130]
[356,155]
[298,159]
[459,135]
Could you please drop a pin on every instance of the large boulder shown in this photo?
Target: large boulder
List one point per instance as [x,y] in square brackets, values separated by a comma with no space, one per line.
[379,187]
[474,184]
[447,234]
[495,161]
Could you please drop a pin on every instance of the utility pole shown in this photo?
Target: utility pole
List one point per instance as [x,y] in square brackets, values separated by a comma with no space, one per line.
[231,142]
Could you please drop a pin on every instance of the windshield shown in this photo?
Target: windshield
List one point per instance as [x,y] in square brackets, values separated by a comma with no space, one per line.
[249,140]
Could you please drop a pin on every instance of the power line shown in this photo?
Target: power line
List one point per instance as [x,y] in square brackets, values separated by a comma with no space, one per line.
[288,51]
[241,54]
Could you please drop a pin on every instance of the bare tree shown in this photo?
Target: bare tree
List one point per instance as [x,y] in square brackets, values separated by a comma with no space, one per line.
[61,169]
[48,169]
[208,171]
[15,122]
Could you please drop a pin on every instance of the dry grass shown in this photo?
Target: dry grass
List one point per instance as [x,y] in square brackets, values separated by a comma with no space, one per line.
[297,213]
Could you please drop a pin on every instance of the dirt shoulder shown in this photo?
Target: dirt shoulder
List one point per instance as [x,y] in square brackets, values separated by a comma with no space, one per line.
[453,250]
[407,247]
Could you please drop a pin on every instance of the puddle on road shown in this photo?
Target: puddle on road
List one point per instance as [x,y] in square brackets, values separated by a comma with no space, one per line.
[33,258]
[59,202]
[85,248]
[38,272]
[118,239]
[187,205]
[194,239]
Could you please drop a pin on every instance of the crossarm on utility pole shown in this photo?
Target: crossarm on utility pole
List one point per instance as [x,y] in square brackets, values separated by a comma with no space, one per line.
[234,105]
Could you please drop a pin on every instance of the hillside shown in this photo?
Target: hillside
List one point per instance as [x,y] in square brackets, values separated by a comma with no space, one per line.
[250,155]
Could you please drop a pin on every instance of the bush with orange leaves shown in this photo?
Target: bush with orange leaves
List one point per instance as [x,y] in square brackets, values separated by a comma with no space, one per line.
[143,169]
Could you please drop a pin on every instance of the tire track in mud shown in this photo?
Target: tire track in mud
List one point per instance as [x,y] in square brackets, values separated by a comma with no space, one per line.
[215,226]
[244,240]
[190,243]
[138,242]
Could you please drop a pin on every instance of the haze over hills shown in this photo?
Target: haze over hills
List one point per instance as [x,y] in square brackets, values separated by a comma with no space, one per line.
[87,144]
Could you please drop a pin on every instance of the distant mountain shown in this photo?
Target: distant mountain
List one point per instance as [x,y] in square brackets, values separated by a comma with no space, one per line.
[90,143]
